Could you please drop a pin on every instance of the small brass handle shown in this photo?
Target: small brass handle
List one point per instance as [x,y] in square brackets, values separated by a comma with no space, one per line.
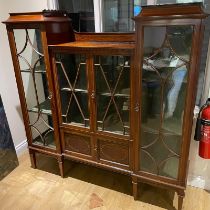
[137,107]
[50,95]
[93,95]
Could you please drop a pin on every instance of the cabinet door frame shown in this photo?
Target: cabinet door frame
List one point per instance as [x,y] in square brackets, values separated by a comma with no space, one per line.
[79,154]
[189,99]
[19,81]
[108,135]
[68,127]
[57,88]
[112,134]
[92,130]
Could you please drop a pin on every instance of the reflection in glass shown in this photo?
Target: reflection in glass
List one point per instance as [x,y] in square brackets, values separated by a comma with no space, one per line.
[117,15]
[71,70]
[32,67]
[112,76]
[81,13]
[164,82]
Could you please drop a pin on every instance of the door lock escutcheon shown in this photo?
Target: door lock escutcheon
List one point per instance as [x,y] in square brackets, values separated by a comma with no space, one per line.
[137,107]
[93,95]
[50,95]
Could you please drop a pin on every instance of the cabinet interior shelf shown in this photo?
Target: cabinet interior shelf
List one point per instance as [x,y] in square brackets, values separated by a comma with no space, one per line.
[170,127]
[124,66]
[39,69]
[49,140]
[44,108]
[75,90]
[102,94]
[115,95]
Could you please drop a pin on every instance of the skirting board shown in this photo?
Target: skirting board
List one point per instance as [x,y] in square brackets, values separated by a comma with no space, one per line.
[21,148]
[198,181]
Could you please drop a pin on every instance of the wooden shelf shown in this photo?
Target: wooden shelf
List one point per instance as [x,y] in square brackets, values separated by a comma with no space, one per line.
[122,48]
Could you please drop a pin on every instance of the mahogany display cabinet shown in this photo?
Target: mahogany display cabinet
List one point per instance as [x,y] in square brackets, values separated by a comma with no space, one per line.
[120,101]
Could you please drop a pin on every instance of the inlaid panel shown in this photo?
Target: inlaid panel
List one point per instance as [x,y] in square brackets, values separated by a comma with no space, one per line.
[113,151]
[77,143]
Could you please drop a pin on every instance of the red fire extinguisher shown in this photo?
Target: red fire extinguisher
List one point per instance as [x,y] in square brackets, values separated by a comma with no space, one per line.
[202,131]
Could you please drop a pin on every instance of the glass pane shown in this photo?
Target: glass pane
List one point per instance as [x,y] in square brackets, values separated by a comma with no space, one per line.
[164,83]
[112,76]
[32,66]
[81,13]
[117,15]
[72,78]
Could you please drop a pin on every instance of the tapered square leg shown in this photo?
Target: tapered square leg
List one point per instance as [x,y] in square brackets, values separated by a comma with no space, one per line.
[181,195]
[135,187]
[32,158]
[61,166]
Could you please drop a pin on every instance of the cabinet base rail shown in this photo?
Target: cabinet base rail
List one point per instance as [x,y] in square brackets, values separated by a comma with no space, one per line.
[136,178]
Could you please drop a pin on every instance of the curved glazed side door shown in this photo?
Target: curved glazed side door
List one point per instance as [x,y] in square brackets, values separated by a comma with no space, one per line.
[73,102]
[166,81]
[28,48]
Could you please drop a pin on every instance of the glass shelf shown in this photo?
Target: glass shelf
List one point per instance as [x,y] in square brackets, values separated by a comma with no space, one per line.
[84,124]
[102,94]
[48,140]
[75,90]
[39,69]
[115,95]
[114,127]
[44,108]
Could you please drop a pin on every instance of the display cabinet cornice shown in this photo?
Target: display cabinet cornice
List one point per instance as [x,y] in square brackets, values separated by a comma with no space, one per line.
[120,101]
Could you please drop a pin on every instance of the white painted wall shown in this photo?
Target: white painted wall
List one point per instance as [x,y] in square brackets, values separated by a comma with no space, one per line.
[8,88]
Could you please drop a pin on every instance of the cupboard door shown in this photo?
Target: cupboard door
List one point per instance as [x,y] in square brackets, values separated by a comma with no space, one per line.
[112,78]
[77,143]
[73,89]
[38,96]
[113,152]
[165,70]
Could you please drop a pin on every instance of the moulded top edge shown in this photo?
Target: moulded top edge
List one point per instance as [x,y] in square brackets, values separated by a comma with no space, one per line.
[34,17]
[193,10]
